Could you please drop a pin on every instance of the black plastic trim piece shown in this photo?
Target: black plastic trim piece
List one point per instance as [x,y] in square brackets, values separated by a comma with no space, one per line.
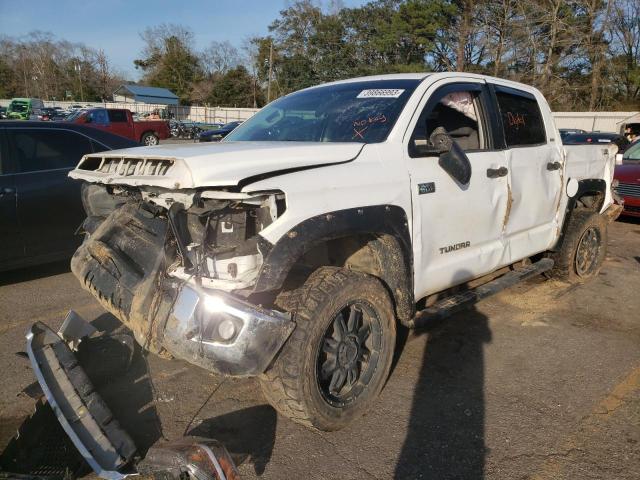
[389,220]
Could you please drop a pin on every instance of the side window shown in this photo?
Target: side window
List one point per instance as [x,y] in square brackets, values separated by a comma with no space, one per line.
[99,116]
[459,113]
[521,119]
[117,116]
[40,149]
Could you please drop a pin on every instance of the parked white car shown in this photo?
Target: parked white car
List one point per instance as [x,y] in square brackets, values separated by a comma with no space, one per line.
[290,250]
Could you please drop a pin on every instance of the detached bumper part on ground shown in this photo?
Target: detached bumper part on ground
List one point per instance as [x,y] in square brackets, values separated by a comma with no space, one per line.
[89,423]
[85,417]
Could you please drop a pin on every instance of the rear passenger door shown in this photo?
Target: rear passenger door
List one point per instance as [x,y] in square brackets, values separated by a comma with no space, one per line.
[119,121]
[49,206]
[11,246]
[535,163]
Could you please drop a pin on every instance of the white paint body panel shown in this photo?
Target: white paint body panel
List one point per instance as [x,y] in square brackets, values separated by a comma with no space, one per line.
[351,175]
[220,164]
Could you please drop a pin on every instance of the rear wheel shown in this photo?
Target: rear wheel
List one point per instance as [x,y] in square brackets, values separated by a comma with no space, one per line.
[584,247]
[339,356]
[149,139]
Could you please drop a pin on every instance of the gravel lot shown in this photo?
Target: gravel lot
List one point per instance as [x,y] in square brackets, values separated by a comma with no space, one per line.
[539,382]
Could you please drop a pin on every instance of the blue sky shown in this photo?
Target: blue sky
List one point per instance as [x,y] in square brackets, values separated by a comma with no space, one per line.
[114,25]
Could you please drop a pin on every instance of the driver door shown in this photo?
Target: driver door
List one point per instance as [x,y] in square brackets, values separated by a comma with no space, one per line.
[457,229]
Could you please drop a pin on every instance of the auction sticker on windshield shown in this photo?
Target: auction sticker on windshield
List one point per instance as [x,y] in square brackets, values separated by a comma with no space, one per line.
[381,93]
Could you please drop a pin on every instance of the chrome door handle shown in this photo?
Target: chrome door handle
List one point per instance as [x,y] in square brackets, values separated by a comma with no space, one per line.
[554,166]
[497,172]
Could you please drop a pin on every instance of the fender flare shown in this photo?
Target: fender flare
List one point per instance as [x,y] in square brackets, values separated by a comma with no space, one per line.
[388,223]
[588,185]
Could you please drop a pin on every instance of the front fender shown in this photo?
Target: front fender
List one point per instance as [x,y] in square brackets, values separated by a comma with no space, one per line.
[388,221]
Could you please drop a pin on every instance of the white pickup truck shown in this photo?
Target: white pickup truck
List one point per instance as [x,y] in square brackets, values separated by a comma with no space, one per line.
[290,250]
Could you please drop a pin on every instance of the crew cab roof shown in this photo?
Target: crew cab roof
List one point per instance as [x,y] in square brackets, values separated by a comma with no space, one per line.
[420,76]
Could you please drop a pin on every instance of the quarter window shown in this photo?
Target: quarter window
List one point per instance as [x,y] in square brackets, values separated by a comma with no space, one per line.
[35,150]
[521,119]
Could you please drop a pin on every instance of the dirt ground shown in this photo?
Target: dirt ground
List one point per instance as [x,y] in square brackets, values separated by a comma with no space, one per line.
[539,382]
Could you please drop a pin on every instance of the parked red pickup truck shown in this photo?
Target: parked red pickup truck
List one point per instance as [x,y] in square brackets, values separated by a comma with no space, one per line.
[120,121]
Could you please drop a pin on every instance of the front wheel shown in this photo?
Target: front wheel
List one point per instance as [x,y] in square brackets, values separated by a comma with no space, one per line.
[338,358]
[150,139]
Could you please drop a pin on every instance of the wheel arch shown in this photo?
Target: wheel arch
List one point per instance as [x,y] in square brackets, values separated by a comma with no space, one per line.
[591,194]
[371,239]
[152,132]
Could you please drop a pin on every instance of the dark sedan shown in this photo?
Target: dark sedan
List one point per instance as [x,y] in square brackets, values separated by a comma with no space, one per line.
[565,132]
[219,133]
[40,206]
[595,138]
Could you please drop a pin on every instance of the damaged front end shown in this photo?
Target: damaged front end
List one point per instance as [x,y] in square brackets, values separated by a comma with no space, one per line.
[177,268]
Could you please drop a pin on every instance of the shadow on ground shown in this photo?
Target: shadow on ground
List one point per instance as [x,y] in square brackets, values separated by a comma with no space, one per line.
[445,437]
[119,370]
[247,434]
[33,273]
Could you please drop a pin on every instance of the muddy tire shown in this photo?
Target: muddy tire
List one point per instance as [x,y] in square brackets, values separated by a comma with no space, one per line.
[338,358]
[584,247]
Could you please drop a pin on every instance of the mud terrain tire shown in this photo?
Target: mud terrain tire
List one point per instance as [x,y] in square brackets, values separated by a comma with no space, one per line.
[325,353]
[584,247]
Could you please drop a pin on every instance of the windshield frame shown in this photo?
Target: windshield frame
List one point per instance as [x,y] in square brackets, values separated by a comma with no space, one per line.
[407,87]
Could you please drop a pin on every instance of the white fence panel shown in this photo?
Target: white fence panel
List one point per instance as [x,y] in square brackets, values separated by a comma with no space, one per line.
[592,121]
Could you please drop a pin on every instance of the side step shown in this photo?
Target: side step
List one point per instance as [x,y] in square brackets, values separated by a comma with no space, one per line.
[460,301]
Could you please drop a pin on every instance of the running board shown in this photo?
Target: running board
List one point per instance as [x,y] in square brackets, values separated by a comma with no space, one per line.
[460,301]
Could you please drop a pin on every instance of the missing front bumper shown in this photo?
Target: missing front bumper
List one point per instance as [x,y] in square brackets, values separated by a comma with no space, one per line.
[224,334]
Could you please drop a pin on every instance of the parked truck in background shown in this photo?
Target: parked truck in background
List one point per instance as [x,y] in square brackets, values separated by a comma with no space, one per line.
[120,122]
[24,109]
[291,250]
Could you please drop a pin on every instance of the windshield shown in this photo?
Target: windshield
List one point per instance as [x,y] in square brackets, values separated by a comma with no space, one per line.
[633,153]
[346,112]
[74,115]
[18,107]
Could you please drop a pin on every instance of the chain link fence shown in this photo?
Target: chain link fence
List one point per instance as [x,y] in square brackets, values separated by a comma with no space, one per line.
[196,114]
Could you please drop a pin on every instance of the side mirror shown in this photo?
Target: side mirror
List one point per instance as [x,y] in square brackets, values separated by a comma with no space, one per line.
[452,159]
[87,119]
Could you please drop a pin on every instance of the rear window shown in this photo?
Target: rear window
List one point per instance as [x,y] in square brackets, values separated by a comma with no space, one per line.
[521,119]
[117,116]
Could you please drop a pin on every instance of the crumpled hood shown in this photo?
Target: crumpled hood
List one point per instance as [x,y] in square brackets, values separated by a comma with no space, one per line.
[207,165]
